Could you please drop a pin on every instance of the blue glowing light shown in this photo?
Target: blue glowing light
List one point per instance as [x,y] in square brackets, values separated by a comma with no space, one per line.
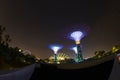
[76,35]
[55,48]
[74,49]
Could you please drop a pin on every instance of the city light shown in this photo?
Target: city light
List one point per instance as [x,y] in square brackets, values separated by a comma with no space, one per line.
[60,57]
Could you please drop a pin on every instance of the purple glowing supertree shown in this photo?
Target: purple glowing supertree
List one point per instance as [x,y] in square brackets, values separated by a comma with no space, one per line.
[77,36]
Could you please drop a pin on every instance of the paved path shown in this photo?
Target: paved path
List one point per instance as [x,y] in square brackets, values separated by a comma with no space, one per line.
[115,74]
[20,74]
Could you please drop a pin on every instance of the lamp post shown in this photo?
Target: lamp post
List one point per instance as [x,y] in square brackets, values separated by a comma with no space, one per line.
[55,49]
[77,36]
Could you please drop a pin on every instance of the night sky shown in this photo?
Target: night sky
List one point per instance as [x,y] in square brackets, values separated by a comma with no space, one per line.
[35,24]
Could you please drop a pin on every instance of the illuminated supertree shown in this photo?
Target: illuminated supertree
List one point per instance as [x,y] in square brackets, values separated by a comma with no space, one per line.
[55,48]
[77,36]
[75,50]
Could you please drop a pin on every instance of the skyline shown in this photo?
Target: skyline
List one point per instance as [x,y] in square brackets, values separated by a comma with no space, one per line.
[34,25]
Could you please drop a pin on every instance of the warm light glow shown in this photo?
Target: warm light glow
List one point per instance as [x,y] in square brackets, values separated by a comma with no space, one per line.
[55,48]
[77,35]
[60,57]
[77,42]
[20,50]
[75,49]
[118,57]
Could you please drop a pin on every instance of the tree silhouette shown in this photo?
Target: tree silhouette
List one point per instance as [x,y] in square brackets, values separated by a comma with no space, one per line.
[12,56]
[99,54]
[4,38]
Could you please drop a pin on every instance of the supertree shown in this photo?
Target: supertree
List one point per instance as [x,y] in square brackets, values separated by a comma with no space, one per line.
[77,36]
[55,49]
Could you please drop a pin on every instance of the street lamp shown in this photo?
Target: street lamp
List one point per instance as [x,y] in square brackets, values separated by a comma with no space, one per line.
[55,48]
[77,36]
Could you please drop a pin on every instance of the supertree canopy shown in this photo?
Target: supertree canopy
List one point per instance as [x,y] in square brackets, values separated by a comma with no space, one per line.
[77,36]
[55,48]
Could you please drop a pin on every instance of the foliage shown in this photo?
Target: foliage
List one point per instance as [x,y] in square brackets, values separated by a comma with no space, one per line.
[4,38]
[116,49]
[12,57]
[100,54]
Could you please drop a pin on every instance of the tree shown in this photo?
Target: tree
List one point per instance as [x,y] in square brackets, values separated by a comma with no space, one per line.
[116,49]
[99,54]
[2,29]
[14,57]
[30,59]
[4,38]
